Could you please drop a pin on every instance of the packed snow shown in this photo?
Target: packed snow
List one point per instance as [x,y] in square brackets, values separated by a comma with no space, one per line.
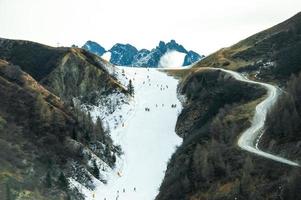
[147,137]
[172,59]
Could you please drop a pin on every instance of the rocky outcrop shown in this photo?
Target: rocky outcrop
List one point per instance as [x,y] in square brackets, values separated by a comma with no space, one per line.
[94,47]
[122,54]
[66,72]
[128,55]
[82,75]
[191,57]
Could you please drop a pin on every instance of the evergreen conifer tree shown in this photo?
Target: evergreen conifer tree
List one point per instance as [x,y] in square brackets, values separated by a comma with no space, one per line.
[131,88]
[96,172]
[8,192]
[63,182]
[48,180]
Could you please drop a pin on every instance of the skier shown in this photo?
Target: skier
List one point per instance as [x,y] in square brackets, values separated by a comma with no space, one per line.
[123,190]
[134,189]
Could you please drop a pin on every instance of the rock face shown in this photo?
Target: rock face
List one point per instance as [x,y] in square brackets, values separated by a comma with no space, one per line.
[191,57]
[122,54]
[44,138]
[128,55]
[94,48]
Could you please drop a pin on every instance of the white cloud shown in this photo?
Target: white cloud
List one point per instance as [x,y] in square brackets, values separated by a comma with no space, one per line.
[203,26]
[172,59]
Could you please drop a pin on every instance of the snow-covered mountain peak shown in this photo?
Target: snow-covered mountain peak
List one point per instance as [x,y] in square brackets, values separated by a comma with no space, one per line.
[128,55]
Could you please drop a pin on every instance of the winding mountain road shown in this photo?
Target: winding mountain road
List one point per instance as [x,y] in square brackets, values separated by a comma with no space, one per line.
[249,139]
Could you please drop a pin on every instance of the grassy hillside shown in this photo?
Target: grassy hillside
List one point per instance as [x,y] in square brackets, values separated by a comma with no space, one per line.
[273,53]
[209,165]
[36,59]
[46,139]
[42,140]
[67,72]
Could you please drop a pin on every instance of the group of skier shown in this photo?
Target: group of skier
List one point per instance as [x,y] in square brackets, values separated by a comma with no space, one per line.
[117,197]
[162,87]
[173,105]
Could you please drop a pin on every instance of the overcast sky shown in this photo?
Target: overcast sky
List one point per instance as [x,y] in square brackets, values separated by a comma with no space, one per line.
[203,26]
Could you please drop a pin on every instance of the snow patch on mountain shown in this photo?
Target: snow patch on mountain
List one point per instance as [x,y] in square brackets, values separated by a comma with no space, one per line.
[172,59]
[107,56]
[128,55]
[112,109]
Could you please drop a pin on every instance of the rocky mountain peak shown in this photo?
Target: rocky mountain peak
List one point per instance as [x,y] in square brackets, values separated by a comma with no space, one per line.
[128,55]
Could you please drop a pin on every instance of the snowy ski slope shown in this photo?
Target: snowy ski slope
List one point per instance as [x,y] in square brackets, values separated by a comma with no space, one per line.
[147,138]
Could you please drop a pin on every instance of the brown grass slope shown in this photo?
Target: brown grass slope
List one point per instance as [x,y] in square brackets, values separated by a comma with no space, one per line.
[280,44]
[209,165]
[44,138]
[67,72]
[28,136]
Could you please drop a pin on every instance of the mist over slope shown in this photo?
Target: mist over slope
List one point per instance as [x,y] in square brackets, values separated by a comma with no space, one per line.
[172,59]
